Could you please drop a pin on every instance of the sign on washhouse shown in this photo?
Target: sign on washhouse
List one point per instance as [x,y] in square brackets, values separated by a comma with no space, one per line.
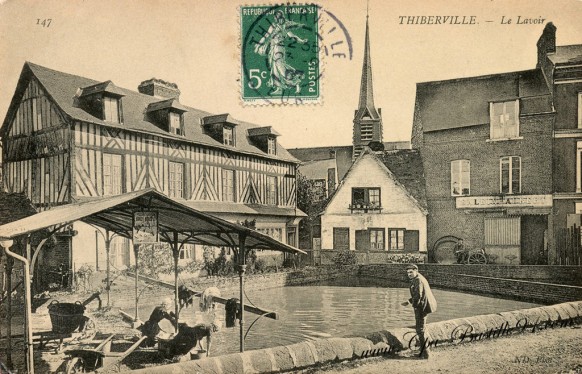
[145,227]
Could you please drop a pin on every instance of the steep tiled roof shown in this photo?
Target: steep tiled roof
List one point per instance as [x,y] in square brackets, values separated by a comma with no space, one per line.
[343,155]
[63,87]
[14,206]
[465,102]
[406,165]
[567,54]
[317,169]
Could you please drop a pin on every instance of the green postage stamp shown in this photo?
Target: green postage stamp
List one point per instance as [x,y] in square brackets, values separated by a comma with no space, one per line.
[280,60]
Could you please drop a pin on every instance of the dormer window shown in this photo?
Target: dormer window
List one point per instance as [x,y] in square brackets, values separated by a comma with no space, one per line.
[168,115]
[176,123]
[221,127]
[227,135]
[265,138]
[111,109]
[102,100]
[271,145]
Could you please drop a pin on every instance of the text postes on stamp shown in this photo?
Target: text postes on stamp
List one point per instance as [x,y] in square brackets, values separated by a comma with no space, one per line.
[280,54]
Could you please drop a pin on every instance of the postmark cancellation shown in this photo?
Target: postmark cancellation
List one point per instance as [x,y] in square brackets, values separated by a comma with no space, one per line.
[280,54]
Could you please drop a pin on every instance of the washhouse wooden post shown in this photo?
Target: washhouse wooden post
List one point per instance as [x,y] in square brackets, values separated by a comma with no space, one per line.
[176,254]
[136,254]
[241,272]
[9,266]
[108,237]
[6,244]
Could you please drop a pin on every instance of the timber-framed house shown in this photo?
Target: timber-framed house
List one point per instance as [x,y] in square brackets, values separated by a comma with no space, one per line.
[68,138]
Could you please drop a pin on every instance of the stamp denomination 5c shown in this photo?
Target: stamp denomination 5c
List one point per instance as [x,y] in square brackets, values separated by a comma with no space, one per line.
[280,54]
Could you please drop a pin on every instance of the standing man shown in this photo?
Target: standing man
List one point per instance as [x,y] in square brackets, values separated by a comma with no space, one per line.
[423,302]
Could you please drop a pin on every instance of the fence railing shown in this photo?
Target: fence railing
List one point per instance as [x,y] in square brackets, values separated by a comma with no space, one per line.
[569,246]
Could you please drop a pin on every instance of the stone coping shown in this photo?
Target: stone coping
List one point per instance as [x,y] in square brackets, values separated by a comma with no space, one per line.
[321,351]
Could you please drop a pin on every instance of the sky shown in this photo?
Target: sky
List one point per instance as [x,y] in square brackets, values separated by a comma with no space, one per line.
[195,44]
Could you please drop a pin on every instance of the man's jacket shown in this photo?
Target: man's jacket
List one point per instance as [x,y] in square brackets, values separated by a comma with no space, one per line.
[421,295]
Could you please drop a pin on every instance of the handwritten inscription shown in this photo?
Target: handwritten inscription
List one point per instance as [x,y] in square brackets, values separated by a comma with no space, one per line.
[46,22]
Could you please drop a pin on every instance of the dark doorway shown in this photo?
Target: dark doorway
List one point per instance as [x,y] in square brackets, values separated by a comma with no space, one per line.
[533,229]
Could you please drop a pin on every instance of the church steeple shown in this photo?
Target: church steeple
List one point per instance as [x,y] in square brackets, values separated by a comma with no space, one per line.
[366,87]
[367,119]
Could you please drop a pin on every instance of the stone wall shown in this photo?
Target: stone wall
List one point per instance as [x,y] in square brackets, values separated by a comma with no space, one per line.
[261,281]
[540,284]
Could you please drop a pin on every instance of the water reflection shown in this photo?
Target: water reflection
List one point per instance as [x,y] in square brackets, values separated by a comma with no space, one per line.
[336,310]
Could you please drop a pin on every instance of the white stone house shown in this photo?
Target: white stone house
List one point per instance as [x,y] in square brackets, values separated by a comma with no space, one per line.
[379,206]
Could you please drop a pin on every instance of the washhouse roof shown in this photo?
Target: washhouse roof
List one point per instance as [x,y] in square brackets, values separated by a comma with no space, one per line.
[175,221]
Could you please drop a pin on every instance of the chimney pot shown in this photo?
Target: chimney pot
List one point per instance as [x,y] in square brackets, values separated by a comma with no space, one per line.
[159,88]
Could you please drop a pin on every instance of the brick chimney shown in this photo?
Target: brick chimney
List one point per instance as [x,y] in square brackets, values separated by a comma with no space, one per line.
[159,88]
[546,43]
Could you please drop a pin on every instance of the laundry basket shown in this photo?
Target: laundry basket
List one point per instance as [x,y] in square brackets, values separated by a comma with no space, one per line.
[66,317]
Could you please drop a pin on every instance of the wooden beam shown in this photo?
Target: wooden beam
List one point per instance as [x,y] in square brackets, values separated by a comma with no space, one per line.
[218,299]
[248,308]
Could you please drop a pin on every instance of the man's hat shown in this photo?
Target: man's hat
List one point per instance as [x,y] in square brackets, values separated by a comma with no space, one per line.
[411,266]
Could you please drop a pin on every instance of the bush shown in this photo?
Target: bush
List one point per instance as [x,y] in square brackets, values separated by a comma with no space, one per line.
[405,258]
[344,258]
[289,262]
[260,265]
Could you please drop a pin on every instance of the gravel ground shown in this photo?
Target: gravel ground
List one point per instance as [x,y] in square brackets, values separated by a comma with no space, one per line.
[548,351]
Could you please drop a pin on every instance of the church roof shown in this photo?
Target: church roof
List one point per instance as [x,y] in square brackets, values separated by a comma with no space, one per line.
[366,107]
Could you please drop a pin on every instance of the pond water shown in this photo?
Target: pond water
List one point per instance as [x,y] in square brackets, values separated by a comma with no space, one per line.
[336,310]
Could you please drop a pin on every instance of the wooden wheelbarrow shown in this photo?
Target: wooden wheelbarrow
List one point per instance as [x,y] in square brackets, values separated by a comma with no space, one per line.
[97,359]
[69,322]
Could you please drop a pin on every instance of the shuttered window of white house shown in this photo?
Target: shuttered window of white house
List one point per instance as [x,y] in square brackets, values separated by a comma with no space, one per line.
[502,231]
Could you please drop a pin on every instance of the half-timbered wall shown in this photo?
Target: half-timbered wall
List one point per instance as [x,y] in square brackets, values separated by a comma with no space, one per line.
[146,161]
[36,150]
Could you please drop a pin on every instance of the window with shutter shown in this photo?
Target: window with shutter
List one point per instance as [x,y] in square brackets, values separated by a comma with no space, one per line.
[411,240]
[362,240]
[176,182]
[341,238]
[228,185]
[110,109]
[112,178]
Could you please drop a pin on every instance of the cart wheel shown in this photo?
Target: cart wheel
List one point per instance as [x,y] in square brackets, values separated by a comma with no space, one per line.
[477,258]
[75,365]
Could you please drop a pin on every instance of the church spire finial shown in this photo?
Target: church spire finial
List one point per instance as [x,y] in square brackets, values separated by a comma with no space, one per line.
[366,89]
